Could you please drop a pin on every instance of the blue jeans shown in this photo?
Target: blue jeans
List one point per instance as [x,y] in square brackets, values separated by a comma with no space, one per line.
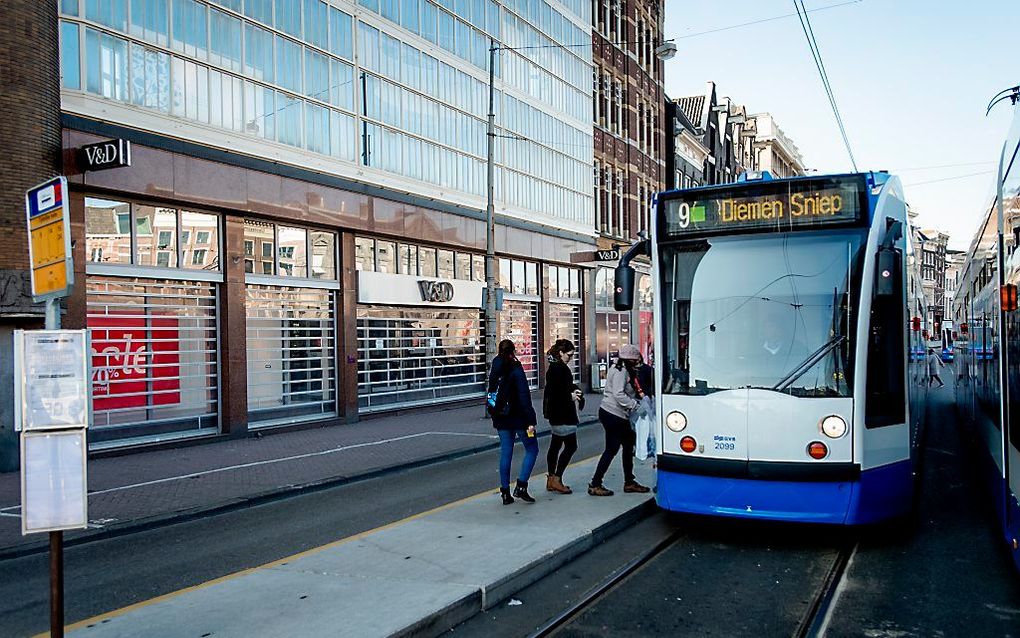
[506,455]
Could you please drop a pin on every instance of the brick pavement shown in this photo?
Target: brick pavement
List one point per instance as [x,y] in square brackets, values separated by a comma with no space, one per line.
[159,486]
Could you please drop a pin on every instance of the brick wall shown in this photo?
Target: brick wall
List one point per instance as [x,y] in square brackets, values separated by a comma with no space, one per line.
[30,122]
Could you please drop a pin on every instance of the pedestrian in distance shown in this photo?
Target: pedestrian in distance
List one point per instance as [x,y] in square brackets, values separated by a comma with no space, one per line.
[513,416]
[934,363]
[560,405]
[619,400]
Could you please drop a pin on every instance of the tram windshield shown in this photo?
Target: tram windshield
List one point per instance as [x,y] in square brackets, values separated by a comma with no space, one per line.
[772,312]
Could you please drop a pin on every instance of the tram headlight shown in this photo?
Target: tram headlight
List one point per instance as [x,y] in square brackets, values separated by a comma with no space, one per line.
[833,426]
[676,421]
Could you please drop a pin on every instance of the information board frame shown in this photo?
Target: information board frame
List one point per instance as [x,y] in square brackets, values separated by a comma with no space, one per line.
[22,371]
[79,471]
[41,202]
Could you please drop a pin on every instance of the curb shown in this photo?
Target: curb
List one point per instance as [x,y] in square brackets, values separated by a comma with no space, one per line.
[262,498]
[488,596]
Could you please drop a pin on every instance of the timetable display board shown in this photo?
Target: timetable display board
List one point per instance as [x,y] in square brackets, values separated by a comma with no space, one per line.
[49,245]
[767,206]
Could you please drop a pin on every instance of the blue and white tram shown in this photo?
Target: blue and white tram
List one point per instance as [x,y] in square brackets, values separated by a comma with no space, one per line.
[791,381]
[988,342]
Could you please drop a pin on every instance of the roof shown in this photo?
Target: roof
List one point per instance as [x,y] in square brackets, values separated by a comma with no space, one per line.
[692,108]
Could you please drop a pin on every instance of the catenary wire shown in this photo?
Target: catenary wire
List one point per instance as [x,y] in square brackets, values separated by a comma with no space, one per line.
[957,177]
[816,53]
[763,20]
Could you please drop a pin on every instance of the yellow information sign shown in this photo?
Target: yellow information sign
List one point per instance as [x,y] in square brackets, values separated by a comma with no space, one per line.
[49,245]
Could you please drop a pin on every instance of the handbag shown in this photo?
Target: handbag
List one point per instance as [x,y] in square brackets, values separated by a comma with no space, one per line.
[494,403]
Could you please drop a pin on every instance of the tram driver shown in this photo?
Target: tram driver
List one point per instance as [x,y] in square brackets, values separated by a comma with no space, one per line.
[778,347]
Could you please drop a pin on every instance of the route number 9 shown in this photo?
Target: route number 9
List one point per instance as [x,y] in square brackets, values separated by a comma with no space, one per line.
[684,214]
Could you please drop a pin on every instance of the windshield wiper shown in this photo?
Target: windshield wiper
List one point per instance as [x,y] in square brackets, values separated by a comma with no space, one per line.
[807,364]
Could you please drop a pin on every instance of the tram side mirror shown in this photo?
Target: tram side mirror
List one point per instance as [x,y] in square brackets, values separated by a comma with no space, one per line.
[623,288]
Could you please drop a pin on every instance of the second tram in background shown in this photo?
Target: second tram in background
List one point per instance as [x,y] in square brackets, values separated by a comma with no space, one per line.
[987,358]
[790,382]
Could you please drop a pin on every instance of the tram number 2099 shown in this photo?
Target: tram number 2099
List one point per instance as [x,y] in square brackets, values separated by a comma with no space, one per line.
[728,443]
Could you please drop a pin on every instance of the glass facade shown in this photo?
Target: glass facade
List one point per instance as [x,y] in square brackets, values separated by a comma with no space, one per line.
[403,89]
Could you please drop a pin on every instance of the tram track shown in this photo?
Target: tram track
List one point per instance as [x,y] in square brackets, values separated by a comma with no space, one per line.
[812,622]
[816,619]
[599,591]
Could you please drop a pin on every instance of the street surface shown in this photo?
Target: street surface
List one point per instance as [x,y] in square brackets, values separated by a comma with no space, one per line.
[940,574]
[109,574]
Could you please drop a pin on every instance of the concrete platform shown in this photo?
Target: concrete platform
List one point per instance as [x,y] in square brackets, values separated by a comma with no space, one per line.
[418,576]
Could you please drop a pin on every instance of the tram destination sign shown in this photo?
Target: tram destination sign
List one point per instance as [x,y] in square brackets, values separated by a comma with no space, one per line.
[765,206]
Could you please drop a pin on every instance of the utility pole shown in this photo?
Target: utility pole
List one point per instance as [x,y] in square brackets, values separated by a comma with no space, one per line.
[490,215]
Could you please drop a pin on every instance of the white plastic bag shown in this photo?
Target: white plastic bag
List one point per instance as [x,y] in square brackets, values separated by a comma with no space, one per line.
[644,430]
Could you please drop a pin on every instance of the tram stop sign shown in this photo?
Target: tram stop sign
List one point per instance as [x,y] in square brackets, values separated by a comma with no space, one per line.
[49,245]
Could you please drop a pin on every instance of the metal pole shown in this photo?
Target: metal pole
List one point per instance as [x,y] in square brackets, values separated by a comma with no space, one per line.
[490,216]
[1003,352]
[56,585]
[56,538]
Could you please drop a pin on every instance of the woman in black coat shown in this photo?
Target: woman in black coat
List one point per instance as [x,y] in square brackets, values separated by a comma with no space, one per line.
[514,418]
[560,405]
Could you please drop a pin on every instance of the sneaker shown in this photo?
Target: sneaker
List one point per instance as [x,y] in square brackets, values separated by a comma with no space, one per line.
[635,488]
[599,490]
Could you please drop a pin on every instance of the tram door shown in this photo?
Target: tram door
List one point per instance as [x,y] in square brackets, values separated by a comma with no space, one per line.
[1011,428]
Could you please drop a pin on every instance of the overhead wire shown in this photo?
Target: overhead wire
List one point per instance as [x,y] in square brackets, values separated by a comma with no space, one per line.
[764,20]
[957,177]
[816,54]
[938,166]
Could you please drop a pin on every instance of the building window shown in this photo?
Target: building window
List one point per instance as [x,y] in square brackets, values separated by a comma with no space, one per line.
[385,256]
[364,253]
[143,235]
[427,261]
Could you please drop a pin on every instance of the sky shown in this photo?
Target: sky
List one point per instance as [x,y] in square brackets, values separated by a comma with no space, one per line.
[911,78]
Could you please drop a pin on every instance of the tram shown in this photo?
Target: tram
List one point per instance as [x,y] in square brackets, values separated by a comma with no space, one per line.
[988,342]
[791,373]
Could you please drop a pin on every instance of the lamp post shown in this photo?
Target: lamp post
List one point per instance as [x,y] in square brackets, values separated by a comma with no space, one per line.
[664,51]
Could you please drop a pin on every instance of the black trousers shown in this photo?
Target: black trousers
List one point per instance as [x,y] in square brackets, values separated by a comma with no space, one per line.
[618,434]
[558,462]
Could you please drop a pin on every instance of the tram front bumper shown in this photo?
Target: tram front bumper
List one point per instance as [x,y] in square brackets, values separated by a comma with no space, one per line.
[838,494]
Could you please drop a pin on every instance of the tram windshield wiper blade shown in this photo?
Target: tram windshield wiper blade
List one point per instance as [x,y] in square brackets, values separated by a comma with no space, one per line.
[806,365]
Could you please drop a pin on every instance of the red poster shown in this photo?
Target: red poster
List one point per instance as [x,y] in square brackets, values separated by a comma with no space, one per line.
[123,349]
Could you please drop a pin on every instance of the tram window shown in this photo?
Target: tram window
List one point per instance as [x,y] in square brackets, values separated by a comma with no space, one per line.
[886,392]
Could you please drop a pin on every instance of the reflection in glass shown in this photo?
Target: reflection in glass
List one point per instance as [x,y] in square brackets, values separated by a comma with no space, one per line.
[386,255]
[463,266]
[261,236]
[107,231]
[364,254]
[408,262]
[427,261]
[731,323]
[445,268]
[517,278]
[293,259]
[323,255]
[504,273]
[206,231]
[531,278]
[478,267]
